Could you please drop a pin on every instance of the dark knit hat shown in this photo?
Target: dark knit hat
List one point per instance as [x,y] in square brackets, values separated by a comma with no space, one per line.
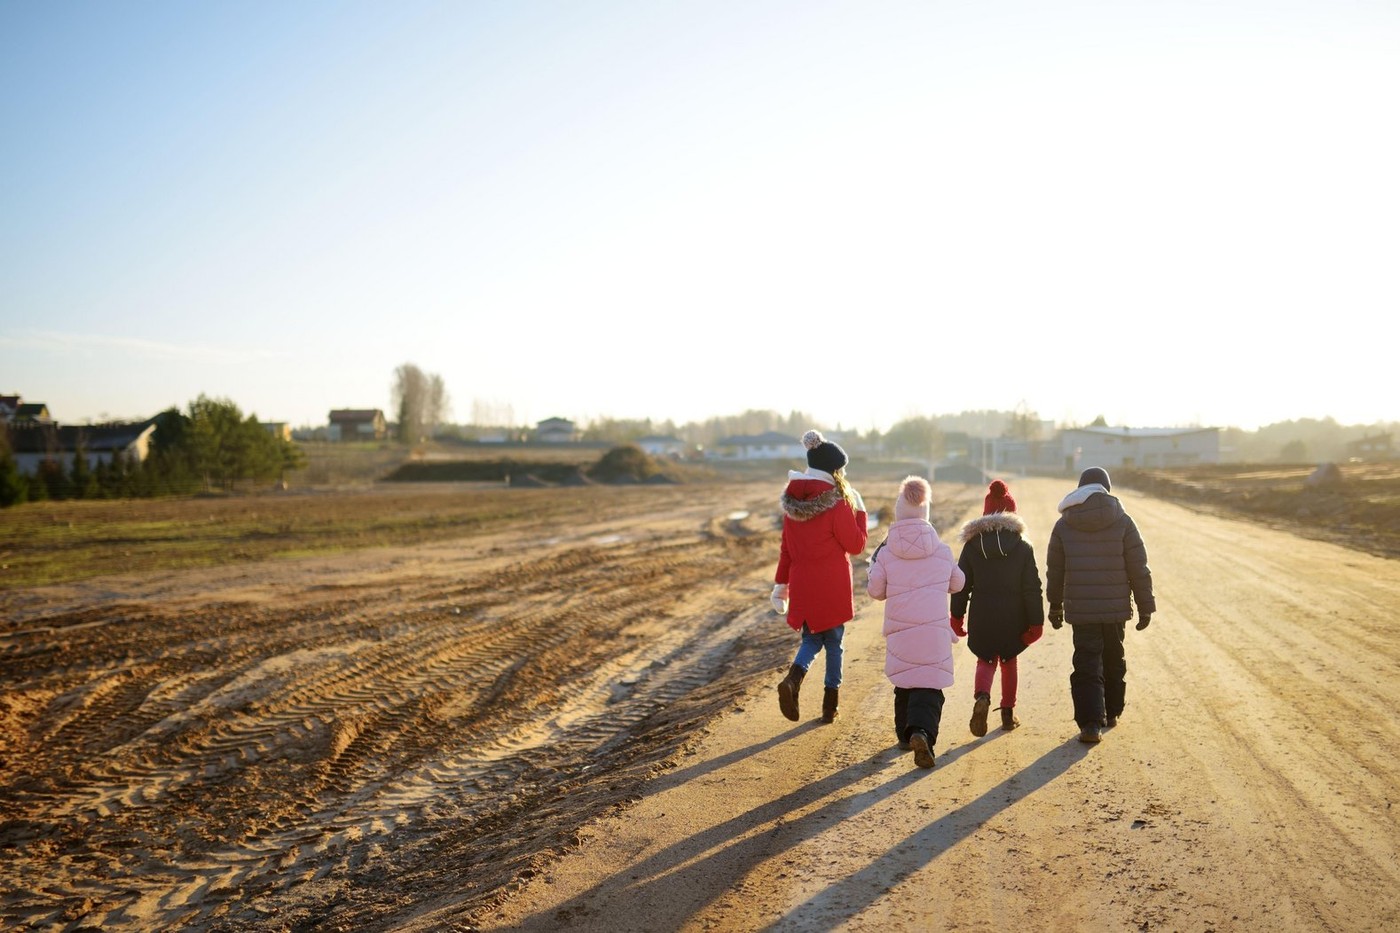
[1095,475]
[998,499]
[822,454]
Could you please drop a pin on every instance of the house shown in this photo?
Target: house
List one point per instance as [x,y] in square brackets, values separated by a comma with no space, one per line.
[278,429]
[771,445]
[357,424]
[1378,447]
[31,413]
[33,444]
[9,404]
[662,445]
[1148,448]
[556,431]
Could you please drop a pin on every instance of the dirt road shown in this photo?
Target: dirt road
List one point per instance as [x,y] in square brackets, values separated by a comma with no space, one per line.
[1249,786]
[406,740]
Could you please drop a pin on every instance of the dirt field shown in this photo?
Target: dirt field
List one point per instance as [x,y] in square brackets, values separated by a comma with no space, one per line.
[562,718]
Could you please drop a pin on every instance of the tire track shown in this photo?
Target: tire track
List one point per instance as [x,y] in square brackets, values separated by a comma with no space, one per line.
[238,760]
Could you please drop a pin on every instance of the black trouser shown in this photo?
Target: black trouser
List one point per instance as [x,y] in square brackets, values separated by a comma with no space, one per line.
[917,708]
[1097,682]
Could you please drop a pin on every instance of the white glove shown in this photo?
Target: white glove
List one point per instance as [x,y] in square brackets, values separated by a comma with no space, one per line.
[780,599]
[860,503]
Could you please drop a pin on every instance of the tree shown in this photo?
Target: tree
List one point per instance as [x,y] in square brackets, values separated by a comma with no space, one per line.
[81,479]
[420,401]
[14,488]
[919,438]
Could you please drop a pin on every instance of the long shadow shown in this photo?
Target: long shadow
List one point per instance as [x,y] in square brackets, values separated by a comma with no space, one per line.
[667,888]
[681,775]
[838,903]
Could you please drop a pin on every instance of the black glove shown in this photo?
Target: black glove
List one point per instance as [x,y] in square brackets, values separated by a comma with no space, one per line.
[1144,618]
[1057,616]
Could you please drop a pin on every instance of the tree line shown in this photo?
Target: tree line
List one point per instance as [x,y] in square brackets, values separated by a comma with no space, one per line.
[210,446]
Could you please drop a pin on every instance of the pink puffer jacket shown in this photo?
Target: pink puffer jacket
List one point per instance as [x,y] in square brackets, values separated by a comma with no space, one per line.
[913,572]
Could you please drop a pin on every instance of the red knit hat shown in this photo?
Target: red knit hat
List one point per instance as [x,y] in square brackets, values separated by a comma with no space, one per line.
[998,499]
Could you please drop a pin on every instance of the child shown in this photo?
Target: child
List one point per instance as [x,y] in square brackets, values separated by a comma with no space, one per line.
[1096,570]
[913,571]
[1003,585]
[823,525]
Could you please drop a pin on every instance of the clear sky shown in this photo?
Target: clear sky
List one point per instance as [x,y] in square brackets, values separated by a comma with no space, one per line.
[1166,213]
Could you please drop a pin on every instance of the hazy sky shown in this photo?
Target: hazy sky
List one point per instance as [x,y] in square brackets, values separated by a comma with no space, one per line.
[1166,213]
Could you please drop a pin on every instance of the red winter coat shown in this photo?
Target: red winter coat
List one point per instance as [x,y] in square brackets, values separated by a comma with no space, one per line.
[820,532]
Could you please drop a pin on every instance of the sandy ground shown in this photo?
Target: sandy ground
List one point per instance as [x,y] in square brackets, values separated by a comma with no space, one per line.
[577,730]
[1249,786]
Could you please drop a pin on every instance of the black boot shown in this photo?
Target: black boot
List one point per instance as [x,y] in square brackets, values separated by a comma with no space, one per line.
[830,701]
[787,692]
[1008,719]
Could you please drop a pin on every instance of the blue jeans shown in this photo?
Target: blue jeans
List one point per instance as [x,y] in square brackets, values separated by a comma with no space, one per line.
[814,642]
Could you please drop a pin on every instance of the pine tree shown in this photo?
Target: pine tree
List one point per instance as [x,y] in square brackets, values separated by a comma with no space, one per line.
[14,488]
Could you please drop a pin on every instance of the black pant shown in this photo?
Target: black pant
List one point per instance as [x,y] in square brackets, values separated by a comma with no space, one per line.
[1097,683]
[917,708]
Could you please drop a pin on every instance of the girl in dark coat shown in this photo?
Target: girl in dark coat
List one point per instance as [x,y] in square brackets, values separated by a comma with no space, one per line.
[1007,612]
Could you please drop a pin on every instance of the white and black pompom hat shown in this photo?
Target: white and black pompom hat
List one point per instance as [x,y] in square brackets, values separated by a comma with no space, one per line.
[822,454]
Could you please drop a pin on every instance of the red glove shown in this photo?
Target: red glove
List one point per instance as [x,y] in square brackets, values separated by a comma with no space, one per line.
[958,626]
[1032,635]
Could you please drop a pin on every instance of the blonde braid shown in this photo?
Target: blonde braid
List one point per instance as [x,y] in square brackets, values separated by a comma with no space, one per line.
[844,487]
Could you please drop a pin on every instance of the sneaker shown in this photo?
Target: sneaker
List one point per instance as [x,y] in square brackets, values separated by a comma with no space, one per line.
[923,749]
[978,725]
[1091,734]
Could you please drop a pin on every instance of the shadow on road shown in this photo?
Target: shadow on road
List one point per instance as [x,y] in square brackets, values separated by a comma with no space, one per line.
[849,897]
[668,888]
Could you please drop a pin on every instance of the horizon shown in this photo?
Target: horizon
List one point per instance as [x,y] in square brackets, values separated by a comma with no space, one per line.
[1164,215]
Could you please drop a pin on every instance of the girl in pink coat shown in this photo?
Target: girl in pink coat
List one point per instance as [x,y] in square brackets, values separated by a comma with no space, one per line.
[913,572]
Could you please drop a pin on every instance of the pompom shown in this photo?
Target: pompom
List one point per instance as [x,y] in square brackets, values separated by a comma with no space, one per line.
[915,490]
[811,439]
[998,488]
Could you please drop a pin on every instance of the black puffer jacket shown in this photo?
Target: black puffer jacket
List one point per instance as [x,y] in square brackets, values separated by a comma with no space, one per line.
[1003,586]
[1097,560]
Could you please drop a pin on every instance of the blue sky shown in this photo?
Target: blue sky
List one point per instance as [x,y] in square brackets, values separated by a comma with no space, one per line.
[1163,213]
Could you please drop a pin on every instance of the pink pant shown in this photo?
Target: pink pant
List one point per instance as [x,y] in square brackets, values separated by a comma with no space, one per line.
[982,681]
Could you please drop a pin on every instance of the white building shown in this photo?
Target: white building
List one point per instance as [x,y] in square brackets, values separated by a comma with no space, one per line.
[770,445]
[662,445]
[1147,448]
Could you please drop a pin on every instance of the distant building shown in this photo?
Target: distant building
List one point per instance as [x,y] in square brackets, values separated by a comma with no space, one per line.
[9,404]
[33,444]
[1378,447]
[556,431]
[357,424]
[662,445]
[1147,448]
[278,429]
[31,413]
[771,445]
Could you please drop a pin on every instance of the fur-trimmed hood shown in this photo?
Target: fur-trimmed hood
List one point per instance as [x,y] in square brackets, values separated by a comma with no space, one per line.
[808,495]
[997,534]
[997,521]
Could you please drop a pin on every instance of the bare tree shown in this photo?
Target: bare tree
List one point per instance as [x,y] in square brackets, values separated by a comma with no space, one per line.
[410,397]
[438,404]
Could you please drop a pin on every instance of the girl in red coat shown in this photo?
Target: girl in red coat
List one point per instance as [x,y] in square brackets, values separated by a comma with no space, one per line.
[823,525]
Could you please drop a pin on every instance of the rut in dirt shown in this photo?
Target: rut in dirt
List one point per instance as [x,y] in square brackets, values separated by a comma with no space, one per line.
[285,766]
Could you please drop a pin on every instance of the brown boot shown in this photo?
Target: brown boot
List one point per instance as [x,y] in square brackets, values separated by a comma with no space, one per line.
[1008,719]
[830,699]
[787,692]
[982,703]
